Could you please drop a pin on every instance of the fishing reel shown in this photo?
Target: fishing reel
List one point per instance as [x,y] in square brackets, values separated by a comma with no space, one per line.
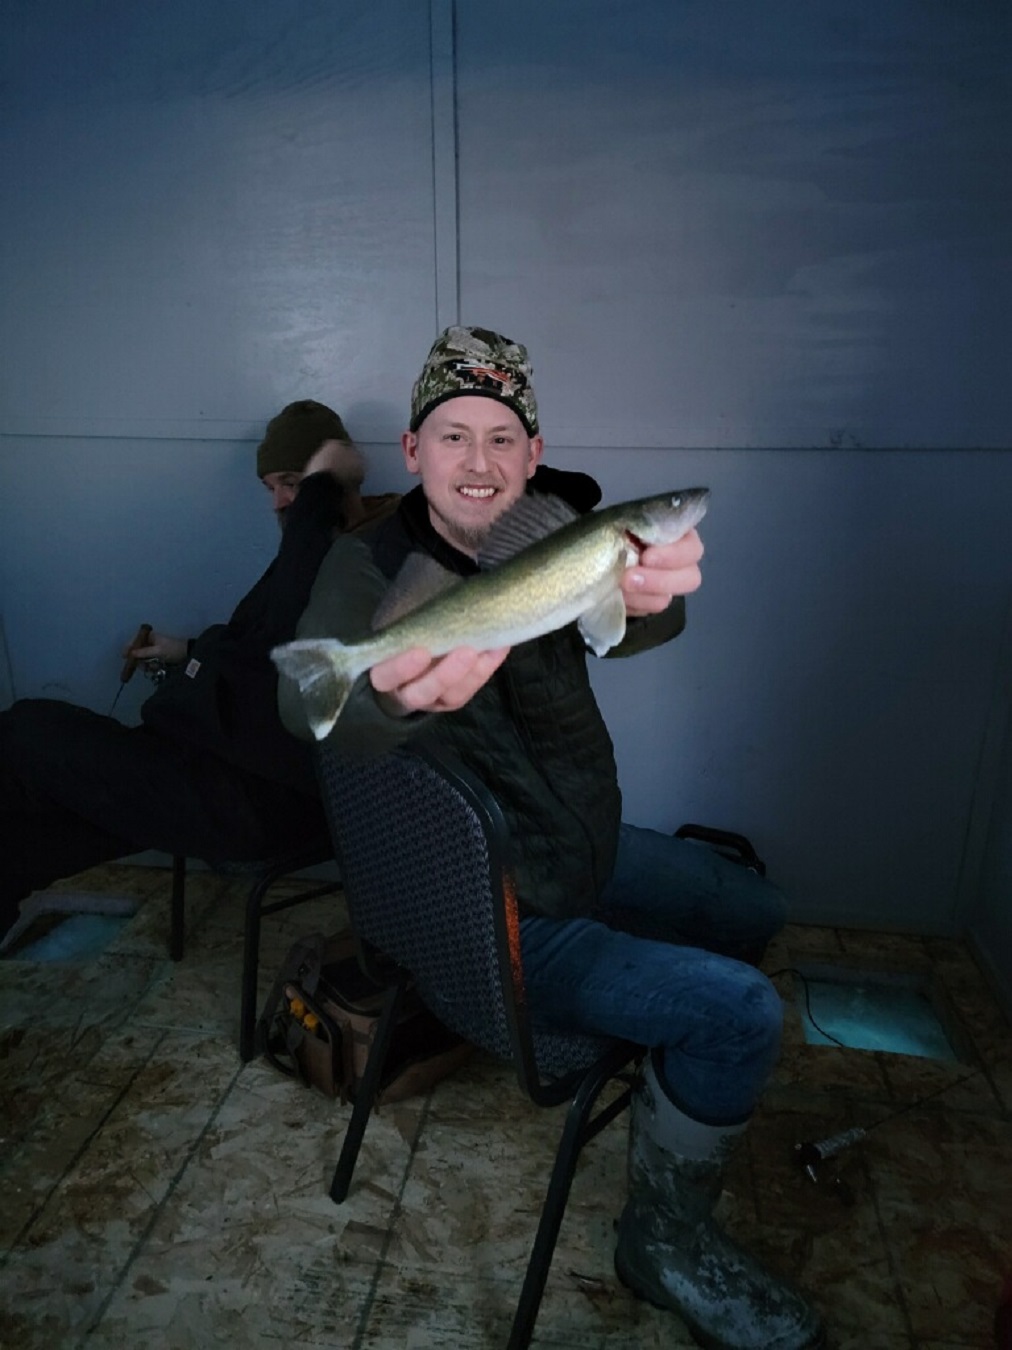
[154,670]
[810,1153]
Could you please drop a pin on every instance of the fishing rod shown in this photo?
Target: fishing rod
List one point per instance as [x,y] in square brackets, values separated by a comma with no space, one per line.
[153,668]
[810,1153]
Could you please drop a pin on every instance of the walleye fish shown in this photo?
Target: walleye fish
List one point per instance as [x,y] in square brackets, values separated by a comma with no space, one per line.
[572,573]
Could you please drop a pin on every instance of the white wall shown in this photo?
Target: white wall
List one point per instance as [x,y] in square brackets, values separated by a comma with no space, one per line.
[762,247]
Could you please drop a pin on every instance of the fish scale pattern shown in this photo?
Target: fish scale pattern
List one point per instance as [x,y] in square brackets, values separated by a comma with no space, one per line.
[414,857]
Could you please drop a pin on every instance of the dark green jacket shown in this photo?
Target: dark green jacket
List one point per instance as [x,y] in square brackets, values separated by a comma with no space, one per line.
[534,732]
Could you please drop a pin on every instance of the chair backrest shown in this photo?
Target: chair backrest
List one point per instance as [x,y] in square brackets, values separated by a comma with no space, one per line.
[425,858]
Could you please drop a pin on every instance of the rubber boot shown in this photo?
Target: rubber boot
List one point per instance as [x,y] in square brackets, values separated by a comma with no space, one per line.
[672,1252]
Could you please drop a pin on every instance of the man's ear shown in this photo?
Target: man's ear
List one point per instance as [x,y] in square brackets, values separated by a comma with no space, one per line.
[409,446]
[536,451]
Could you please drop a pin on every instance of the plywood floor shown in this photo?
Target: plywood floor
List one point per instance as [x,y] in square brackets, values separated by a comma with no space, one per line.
[158,1195]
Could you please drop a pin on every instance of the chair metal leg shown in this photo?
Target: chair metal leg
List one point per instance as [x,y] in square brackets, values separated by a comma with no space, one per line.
[368,1090]
[177,911]
[578,1130]
[250,967]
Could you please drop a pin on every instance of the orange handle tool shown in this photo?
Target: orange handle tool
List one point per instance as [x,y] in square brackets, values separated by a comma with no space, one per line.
[130,664]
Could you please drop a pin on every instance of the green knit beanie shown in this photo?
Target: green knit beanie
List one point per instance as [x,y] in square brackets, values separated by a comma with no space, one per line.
[475,361]
[295,434]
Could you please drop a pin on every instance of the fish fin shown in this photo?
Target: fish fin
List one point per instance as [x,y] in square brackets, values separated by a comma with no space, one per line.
[603,626]
[320,668]
[533,517]
[420,579]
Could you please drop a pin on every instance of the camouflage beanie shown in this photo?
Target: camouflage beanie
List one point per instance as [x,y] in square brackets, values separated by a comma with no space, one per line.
[475,361]
[295,434]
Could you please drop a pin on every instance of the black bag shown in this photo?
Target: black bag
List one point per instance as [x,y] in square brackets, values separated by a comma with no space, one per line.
[321,1018]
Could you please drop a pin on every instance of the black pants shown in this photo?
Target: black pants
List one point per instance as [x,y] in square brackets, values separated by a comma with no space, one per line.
[77,789]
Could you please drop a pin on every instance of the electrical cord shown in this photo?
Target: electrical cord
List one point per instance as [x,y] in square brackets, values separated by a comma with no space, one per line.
[792,970]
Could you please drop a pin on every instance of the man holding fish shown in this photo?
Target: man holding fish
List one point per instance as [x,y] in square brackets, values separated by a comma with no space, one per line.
[466,616]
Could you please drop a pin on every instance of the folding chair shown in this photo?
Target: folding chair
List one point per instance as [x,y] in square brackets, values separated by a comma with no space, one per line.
[424,853]
[264,874]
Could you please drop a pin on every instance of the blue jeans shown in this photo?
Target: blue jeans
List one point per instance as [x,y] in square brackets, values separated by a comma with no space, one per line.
[659,965]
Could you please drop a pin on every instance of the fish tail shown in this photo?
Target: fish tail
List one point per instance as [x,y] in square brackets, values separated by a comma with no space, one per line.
[321,667]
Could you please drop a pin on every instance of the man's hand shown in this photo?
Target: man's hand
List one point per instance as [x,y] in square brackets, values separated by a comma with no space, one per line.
[663,571]
[415,682]
[171,651]
[341,460]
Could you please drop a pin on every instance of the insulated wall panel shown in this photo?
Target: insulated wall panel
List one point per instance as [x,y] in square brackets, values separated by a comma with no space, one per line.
[210,210]
[741,224]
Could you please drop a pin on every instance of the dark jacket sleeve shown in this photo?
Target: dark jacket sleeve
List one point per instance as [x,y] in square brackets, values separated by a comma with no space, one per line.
[270,613]
[224,698]
[641,635]
[344,597]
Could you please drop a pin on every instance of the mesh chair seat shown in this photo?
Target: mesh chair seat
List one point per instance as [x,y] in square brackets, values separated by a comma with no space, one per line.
[440,859]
